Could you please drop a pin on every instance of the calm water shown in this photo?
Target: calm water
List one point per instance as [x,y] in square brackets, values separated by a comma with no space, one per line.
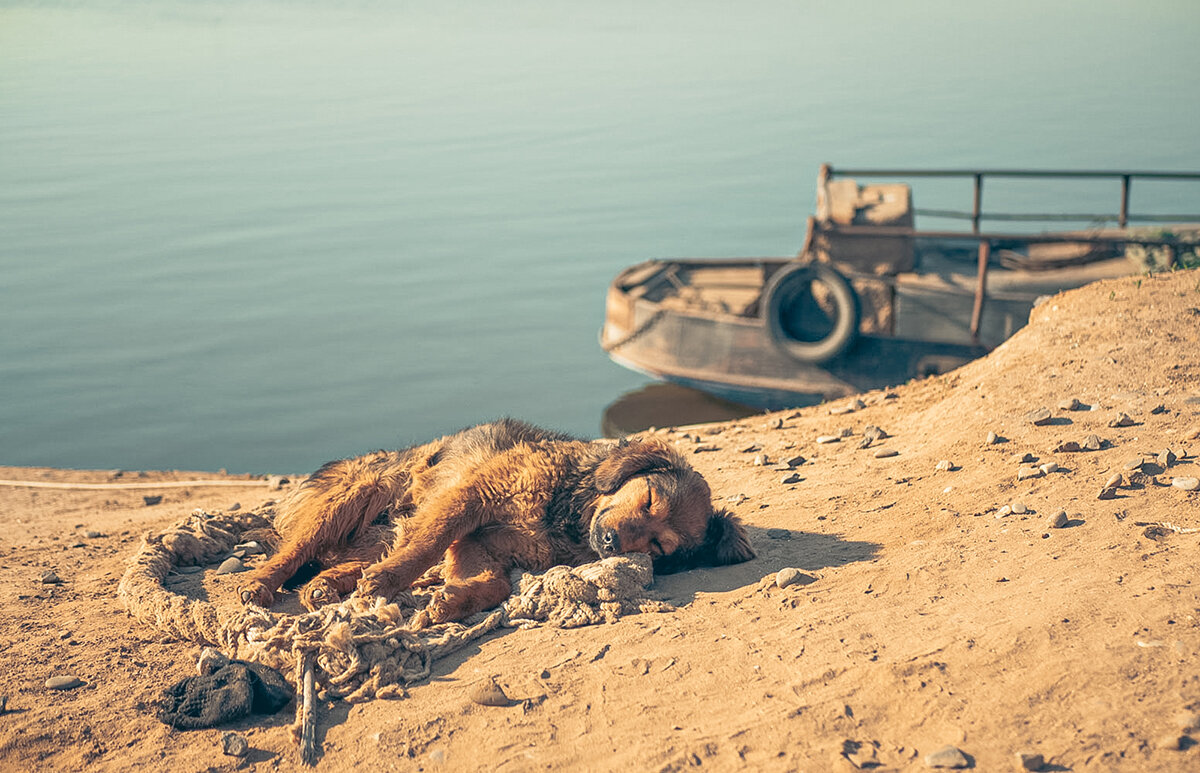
[260,235]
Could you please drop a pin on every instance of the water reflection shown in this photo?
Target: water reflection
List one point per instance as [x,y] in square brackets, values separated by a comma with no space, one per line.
[666,405]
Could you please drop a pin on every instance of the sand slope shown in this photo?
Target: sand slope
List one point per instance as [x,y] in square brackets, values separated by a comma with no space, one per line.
[924,619]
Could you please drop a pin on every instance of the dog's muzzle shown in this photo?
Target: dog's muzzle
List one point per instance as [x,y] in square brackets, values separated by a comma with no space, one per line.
[604,540]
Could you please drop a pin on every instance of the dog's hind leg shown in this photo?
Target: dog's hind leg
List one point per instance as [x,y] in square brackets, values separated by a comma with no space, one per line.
[340,498]
[475,580]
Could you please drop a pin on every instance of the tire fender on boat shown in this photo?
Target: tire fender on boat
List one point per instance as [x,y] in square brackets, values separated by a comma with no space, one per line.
[788,303]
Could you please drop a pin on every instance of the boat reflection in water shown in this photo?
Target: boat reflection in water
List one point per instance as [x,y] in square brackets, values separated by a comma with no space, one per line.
[666,405]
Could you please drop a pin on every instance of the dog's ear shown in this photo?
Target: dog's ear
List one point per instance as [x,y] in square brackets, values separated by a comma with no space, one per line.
[630,458]
[725,542]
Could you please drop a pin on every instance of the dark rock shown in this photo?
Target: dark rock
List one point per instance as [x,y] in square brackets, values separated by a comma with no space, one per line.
[152,499]
[234,745]
[49,577]
[1030,761]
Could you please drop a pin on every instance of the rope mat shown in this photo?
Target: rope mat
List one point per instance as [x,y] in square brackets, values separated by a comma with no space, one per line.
[360,648]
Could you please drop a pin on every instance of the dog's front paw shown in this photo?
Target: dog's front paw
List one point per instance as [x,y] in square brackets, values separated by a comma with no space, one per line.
[317,594]
[256,593]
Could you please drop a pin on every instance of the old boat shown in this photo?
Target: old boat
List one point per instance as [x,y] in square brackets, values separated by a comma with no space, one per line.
[871,300]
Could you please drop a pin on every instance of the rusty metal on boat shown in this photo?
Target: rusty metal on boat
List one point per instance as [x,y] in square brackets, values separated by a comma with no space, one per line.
[871,300]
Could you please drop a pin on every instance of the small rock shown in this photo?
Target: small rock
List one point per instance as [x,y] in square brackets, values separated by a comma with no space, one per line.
[152,499]
[704,449]
[3,705]
[1186,484]
[793,576]
[992,438]
[945,465]
[1166,458]
[234,507]
[736,499]
[1093,443]
[751,448]
[1004,511]
[234,745]
[93,534]
[1024,458]
[1019,508]
[1114,481]
[1135,464]
[1160,408]
[850,407]
[795,462]
[846,432]
[231,565]
[947,757]
[64,682]
[874,433]
[1070,404]
[1107,493]
[779,534]
[1026,473]
[1048,468]
[1030,761]
[776,424]
[1173,742]
[761,459]
[276,482]
[793,478]
[1058,520]
[1121,420]
[210,661]
[1140,479]
[823,439]
[884,453]
[251,548]
[1188,721]
[488,693]
[50,578]
[1039,417]
[1067,446]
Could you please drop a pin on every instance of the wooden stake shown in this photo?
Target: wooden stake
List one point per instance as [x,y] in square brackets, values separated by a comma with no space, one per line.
[308,711]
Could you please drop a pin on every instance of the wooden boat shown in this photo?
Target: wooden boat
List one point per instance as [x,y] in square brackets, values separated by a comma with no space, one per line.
[870,301]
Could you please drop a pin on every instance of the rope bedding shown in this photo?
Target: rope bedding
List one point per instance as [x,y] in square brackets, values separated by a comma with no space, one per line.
[362,648]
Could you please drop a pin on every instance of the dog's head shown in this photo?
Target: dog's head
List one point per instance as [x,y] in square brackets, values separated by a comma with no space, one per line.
[650,500]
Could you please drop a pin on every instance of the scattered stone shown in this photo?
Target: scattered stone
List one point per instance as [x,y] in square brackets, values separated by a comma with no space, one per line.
[1108,492]
[793,478]
[234,745]
[1019,508]
[1058,520]
[1187,721]
[1121,420]
[1160,408]
[992,438]
[751,448]
[1070,404]
[49,577]
[947,757]
[64,682]
[1114,481]
[1067,446]
[93,534]
[884,453]
[704,449]
[1030,761]
[792,576]
[761,460]
[1049,467]
[846,432]
[736,499]
[776,424]
[1134,464]
[779,534]
[1166,458]
[3,705]
[823,439]
[874,433]
[1004,511]
[231,565]
[1173,742]
[795,462]
[850,407]
[1186,484]
[251,548]
[1140,478]
[1024,458]
[211,660]
[945,465]
[488,693]
[234,507]
[1027,473]
[152,499]
[1093,443]
[276,482]
[1039,417]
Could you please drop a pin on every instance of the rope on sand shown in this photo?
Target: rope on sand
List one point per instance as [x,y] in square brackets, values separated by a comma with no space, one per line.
[360,648]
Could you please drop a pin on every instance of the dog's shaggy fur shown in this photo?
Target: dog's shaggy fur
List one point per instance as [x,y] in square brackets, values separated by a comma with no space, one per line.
[465,509]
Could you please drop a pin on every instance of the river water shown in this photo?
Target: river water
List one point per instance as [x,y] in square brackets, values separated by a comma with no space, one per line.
[258,235]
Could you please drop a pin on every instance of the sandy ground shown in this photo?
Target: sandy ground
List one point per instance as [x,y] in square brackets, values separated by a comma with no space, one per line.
[924,618]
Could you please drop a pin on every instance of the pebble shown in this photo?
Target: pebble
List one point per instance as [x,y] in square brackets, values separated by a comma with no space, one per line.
[1058,520]
[736,499]
[251,548]
[92,534]
[874,433]
[1070,404]
[751,448]
[829,439]
[1067,446]
[231,566]
[779,534]
[1160,408]
[1187,484]
[846,432]
[761,459]
[210,661]
[1039,417]
[234,745]
[992,438]
[1093,443]
[1134,464]
[50,578]
[1107,492]
[884,453]
[1121,420]
[1114,481]
[793,478]
[488,693]
[850,407]
[276,482]
[776,424]
[1049,467]
[152,499]
[1019,508]
[792,576]
[234,507]
[945,465]
[1004,511]
[64,682]
[1022,458]
[1030,761]
[1173,742]
[795,462]
[1166,458]
[947,757]
[1026,473]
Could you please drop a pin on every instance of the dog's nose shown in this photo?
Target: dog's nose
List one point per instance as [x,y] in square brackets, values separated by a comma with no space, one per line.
[609,541]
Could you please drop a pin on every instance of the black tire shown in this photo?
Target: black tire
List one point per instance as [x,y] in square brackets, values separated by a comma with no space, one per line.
[796,321]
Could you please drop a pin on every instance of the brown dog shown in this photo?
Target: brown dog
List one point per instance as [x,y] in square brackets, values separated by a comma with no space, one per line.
[465,509]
